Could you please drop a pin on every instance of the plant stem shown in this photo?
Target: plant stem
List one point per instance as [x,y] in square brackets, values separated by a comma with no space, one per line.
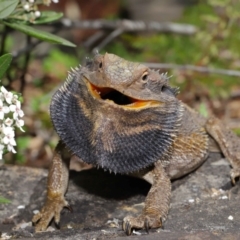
[3,42]
[25,67]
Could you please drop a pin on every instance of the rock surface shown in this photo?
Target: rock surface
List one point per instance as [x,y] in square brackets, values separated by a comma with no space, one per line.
[204,204]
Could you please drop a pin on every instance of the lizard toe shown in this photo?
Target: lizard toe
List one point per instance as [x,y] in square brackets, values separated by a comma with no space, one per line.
[146,225]
[234,173]
[50,210]
[36,217]
[141,222]
[127,227]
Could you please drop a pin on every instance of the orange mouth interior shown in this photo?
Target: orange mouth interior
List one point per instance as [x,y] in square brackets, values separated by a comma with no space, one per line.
[112,95]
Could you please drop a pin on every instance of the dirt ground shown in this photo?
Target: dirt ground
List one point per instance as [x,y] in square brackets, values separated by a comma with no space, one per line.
[204,204]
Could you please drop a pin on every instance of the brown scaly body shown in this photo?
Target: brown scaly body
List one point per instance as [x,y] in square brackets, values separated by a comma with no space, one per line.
[124,117]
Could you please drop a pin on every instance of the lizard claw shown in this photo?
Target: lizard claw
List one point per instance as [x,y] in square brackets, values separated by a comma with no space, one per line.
[141,222]
[69,208]
[146,225]
[127,228]
[234,173]
[50,210]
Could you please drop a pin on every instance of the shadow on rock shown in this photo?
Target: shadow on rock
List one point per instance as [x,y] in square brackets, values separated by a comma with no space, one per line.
[108,185]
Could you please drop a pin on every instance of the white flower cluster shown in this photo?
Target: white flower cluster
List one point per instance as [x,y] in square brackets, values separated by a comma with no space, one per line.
[31,6]
[10,117]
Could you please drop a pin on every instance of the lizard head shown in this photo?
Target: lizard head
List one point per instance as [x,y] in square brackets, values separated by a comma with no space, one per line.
[117,114]
[126,84]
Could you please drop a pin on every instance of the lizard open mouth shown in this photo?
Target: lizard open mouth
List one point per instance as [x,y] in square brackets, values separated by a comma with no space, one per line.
[112,95]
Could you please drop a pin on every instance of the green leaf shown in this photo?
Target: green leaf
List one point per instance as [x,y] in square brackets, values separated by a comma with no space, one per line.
[5,61]
[7,7]
[39,34]
[48,16]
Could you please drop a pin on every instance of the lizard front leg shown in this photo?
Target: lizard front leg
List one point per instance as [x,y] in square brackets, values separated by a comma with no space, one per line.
[56,188]
[228,142]
[156,203]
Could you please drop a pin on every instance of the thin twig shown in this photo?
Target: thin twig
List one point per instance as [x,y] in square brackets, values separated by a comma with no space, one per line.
[3,41]
[108,39]
[25,67]
[129,26]
[30,46]
[116,26]
[94,38]
[201,69]
[26,49]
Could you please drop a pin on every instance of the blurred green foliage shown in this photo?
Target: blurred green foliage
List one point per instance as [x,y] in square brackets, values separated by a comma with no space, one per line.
[5,61]
[22,144]
[59,63]
[216,44]
[19,15]
[203,110]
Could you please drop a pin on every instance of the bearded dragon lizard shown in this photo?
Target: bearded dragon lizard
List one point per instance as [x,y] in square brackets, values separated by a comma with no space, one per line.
[126,118]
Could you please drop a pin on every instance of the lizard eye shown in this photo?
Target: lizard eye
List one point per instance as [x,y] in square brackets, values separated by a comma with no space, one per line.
[100,65]
[145,77]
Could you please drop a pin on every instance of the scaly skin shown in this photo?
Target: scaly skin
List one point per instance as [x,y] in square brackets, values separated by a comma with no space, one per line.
[57,186]
[124,117]
[156,203]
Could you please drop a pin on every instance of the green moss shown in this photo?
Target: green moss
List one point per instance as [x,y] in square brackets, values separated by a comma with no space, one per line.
[4,200]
